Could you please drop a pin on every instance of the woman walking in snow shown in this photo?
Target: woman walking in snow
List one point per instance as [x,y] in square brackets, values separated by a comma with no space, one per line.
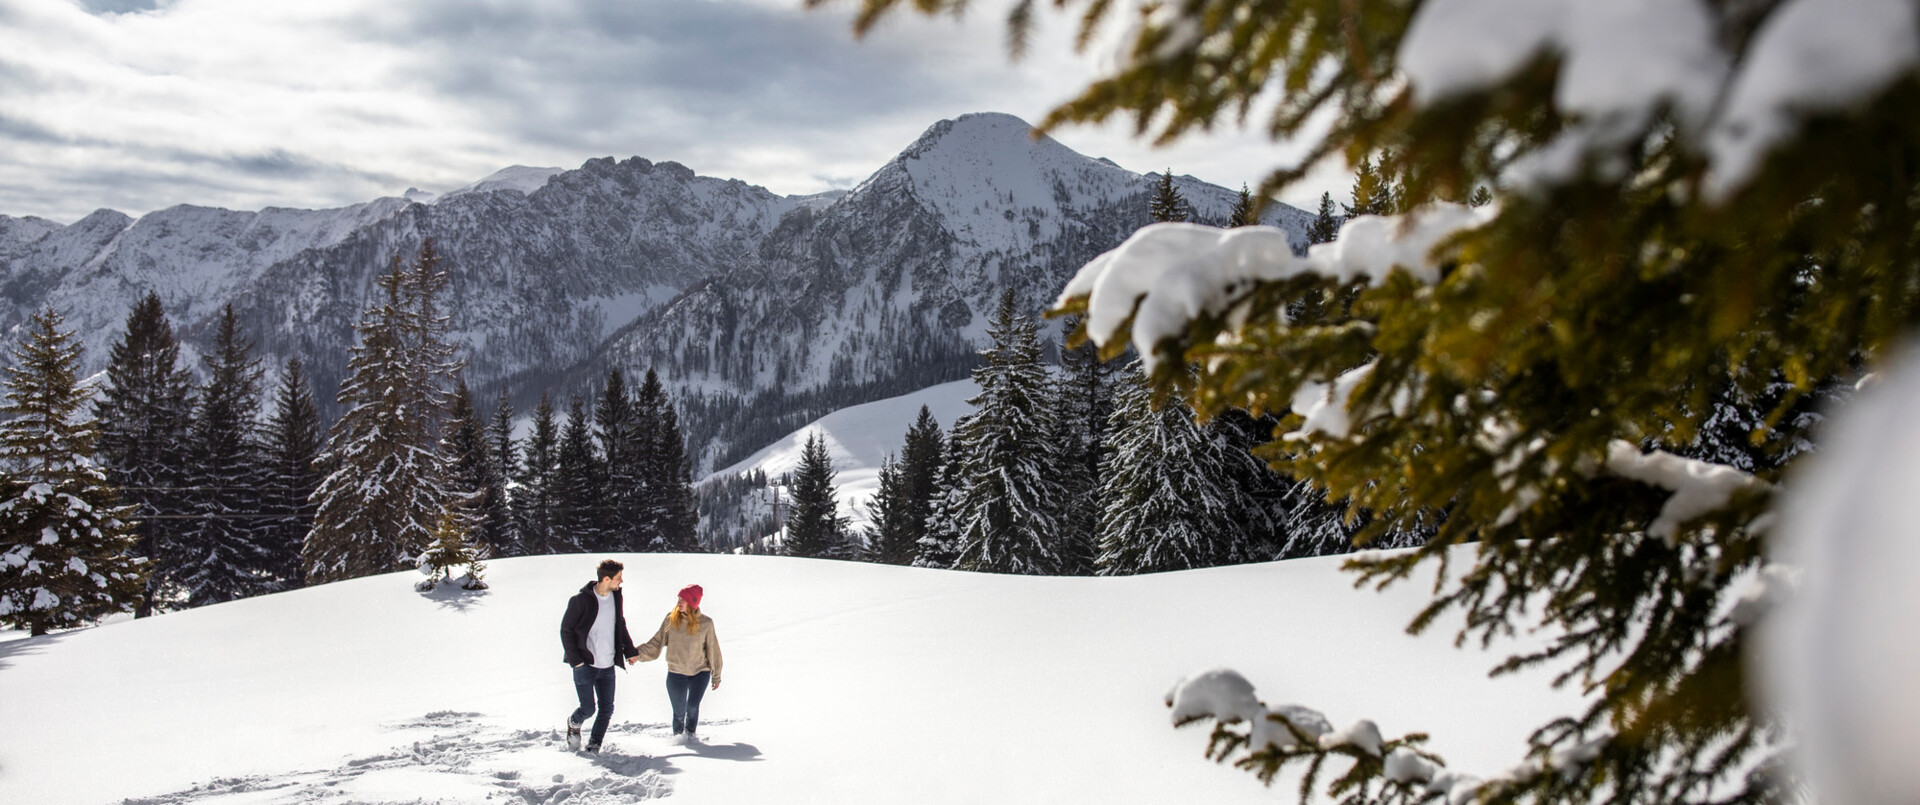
[693,659]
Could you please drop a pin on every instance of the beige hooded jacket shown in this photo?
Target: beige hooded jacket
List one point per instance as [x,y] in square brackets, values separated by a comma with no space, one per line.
[687,654]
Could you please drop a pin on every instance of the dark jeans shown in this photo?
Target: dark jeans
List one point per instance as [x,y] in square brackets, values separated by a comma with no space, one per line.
[591,682]
[685,692]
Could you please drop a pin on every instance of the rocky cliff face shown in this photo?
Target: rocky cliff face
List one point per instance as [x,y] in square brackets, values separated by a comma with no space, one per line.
[763,309]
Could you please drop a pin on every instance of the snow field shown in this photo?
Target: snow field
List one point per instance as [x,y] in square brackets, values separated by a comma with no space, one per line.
[858,440]
[844,683]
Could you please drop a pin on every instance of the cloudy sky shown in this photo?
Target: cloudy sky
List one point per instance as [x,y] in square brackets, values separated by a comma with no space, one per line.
[138,105]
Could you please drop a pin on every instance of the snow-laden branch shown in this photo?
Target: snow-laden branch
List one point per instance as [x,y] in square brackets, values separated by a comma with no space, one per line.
[1167,274]
[1698,487]
[1278,735]
[1622,61]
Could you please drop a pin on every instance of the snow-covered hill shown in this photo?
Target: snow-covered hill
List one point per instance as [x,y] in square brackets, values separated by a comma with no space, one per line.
[859,439]
[844,683]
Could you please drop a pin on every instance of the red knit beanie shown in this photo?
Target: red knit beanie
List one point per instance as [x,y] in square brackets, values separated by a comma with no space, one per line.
[691,594]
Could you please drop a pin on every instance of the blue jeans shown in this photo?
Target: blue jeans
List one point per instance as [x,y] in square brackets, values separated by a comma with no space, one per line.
[591,682]
[684,693]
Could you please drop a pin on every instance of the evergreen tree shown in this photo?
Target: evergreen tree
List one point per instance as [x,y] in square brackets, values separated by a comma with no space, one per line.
[676,517]
[814,527]
[1170,498]
[579,484]
[940,544]
[503,464]
[1243,212]
[1326,223]
[650,412]
[890,539]
[1006,504]
[66,550]
[536,504]
[922,459]
[1167,204]
[617,423]
[144,413]
[381,501]
[1086,394]
[292,445]
[1510,390]
[451,550]
[474,491]
[1372,190]
[225,555]
[905,499]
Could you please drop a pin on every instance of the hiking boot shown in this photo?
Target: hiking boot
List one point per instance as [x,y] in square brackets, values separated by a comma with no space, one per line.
[573,735]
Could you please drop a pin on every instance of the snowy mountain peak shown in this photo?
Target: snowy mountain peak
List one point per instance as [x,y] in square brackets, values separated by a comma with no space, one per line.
[998,186]
[518,178]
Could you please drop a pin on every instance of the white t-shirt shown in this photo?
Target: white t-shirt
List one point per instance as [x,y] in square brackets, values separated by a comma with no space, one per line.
[600,637]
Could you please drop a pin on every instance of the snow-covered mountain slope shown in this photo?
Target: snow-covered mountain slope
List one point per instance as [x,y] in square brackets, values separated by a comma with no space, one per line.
[859,439]
[807,303]
[890,288]
[843,683]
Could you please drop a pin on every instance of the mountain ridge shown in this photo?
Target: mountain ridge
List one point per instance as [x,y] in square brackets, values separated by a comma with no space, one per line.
[753,304]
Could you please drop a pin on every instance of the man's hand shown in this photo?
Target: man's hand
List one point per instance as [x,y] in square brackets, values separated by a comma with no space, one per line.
[633,660]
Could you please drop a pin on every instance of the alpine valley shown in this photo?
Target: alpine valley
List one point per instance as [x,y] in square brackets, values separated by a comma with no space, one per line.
[762,311]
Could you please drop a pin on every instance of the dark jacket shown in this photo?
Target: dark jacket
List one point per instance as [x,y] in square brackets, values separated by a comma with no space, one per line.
[581,610]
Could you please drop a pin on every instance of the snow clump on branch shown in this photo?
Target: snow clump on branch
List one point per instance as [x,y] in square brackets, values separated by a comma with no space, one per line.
[1168,274]
[1622,61]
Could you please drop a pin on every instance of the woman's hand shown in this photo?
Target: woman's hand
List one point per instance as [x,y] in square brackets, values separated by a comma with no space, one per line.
[716,684]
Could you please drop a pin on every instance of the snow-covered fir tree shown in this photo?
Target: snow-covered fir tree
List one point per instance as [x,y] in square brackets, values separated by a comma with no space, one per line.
[580,486]
[536,496]
[940,541]
[224,554]
[1007,500]
[815,528]
[66,550]
[379,504]
[1170,496]
[1086,392]
[144,411]
[291,445]
[452,551]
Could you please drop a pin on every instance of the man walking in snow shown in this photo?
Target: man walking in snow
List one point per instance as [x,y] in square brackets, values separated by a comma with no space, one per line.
[594,636]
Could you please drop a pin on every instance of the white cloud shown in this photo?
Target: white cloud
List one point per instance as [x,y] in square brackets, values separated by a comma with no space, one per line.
[138,105]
